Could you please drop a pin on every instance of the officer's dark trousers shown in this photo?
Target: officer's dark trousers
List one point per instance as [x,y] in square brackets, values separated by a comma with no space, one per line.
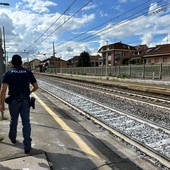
[21,107]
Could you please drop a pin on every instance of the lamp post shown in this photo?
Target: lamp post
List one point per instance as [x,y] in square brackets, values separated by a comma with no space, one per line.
[106,57]
[61,66]
[2,66]
[5,58]
[2,69]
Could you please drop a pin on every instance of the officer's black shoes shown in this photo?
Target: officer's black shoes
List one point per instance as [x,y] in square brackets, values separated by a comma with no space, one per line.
[27,151]
[13,141]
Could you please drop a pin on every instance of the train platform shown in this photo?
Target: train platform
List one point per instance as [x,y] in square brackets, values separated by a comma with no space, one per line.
[63,139]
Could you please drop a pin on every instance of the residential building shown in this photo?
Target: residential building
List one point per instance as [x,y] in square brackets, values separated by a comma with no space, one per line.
[73,61]
[113,54]
[34,64]
[158,55]
[136,56]
[25,64]
[96,60]
[52,62]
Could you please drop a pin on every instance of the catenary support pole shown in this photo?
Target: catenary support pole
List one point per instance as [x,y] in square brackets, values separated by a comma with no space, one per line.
[2,66]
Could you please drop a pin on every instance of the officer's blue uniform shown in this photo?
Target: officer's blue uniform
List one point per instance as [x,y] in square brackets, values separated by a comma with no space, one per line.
[18,80]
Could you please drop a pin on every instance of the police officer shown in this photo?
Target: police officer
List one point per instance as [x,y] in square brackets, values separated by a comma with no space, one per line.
[18,80]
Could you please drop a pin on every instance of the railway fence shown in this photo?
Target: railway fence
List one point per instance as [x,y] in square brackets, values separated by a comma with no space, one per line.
[160,71]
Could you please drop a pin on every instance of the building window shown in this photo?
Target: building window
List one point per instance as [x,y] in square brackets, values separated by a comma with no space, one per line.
[156,60]
[118,55]
[165,60]
[149,61]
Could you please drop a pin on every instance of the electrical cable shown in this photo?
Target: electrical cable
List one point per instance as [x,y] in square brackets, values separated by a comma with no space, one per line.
[51,24]
[107,21]
[125,20]
[62,24]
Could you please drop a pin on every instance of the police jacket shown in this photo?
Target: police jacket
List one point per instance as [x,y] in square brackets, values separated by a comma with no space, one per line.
[18,80]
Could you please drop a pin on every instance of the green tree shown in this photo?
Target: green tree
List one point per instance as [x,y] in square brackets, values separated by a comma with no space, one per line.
[84,60]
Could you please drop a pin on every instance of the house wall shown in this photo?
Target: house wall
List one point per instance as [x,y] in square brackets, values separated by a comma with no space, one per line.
[115,56]
[34,64]
[158,60]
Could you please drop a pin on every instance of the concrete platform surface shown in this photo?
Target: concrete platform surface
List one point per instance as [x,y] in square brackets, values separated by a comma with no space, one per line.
[36,162]
[62,139]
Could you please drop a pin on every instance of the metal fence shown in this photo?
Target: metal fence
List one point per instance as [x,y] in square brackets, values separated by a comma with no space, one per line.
[131,71]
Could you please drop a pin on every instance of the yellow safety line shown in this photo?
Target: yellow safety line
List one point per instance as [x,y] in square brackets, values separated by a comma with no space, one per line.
[84,147]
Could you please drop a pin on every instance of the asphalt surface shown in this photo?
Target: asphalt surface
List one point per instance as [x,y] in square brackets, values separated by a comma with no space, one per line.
[63,139]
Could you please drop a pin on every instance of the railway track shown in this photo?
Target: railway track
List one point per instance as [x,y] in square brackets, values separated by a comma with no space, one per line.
[139,96]
[155,112]
[150,138]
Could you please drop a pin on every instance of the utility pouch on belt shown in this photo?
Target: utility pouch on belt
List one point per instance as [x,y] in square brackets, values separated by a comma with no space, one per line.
[32,102]
[8,99]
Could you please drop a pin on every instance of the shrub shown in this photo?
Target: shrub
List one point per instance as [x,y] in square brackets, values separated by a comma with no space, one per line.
[123,76]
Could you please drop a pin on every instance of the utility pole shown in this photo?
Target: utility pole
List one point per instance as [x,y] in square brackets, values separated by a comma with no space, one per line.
[5,58]
[2,67]
[2,62]
[106,58]
[53,50]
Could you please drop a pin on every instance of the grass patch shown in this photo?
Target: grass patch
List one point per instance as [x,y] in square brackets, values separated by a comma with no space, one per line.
[123,76]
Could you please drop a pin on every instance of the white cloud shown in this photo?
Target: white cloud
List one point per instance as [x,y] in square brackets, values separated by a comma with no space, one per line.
[90,6]
[39,6]
[141,26]
[166,40]
[102,13]
[23,27]
[153,7]
[147,39]
[30,18]
[126,1]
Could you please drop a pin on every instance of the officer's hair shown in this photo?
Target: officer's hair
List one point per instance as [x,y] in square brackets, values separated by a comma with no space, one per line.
[16,60]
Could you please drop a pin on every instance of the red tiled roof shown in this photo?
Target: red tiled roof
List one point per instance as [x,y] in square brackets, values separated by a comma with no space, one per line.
[158,50]
[116,46]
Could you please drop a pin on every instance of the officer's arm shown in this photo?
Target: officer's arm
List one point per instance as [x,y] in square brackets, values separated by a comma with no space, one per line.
[34,87]
[2,95]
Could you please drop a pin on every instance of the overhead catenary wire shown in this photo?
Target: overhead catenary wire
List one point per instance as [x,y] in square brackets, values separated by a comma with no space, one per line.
[102,23]
[124,21]
[81,41]
[107,21]
[61,25]
[52,24]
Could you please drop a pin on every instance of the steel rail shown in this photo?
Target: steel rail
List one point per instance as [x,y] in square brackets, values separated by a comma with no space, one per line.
[130,99]
[120,92]
[140,146]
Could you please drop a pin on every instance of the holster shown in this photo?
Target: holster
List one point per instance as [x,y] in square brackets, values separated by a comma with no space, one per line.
[32,102]
[8,99]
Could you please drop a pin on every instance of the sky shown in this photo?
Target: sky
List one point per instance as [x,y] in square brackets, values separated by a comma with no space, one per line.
[33,27]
